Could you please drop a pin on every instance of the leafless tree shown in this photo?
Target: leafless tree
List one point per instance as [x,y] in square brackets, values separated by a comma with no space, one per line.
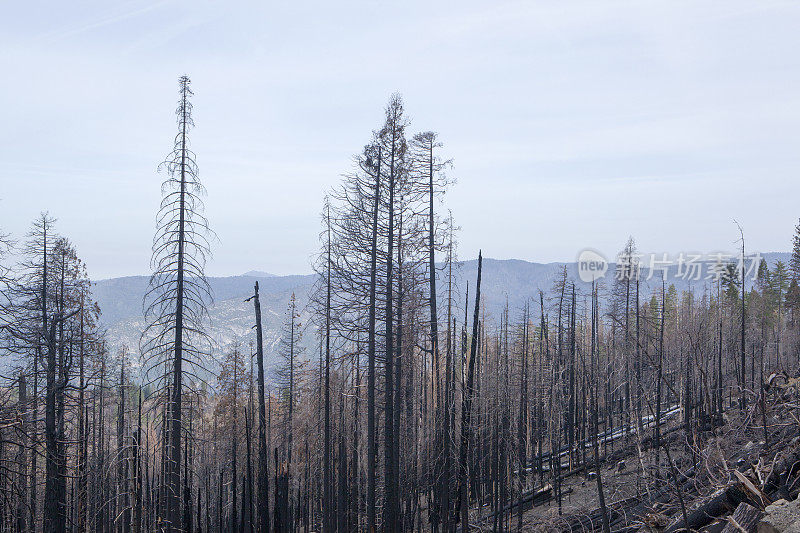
[174,343]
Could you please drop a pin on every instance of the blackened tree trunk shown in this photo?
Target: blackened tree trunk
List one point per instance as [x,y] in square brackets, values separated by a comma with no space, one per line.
[522,426]
[342,488]
[34,440]
[328,498]
[54,519]
[398,376]
[595,408]
[187,478]
[742,397]
[391,504]
[371,441]
[174,463]
[434,328]
[22,461]
[659,376]
[444,490]
[123,516]
[137,462]
[249,522]
[263,476]
[466,412]
[355,479]
[234,447]
[175,303]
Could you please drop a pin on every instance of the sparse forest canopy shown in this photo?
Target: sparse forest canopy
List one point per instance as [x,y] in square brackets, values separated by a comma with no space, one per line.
[392,398]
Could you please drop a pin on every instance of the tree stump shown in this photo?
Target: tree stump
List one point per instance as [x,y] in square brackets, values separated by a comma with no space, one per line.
[744,520]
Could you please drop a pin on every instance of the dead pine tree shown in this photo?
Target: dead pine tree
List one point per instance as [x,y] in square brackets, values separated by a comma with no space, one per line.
[522,426]
[248,417]
[392,138]
[34,297]
[466,411]
[34,294]
[328,481]
[595,411]
[263,475]
[176,300]
[57,378]
[229,384]
[449,410]
[659,375]
[137,463]
[123,492]
[289,377]
[426,169]
[743,323]
[373,164]
[22,462]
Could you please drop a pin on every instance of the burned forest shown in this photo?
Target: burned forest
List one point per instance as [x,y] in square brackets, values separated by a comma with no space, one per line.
[399,392]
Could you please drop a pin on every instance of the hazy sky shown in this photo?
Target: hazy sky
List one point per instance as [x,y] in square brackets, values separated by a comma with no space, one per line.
[571,124]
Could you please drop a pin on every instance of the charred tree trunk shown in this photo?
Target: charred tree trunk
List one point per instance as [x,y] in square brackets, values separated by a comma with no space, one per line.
[22,461]
[595,408]
[466,414]
[522,427]
[371,440]
[390,504]
[328,497]
[263,476]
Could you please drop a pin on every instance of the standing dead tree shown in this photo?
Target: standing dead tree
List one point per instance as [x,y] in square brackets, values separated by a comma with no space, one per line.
[263,475]
[289,377]
[174,343]
[466,411]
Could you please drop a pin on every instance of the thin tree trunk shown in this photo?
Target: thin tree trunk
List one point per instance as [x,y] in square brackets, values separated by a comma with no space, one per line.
[595,408]
[327,501]
[263,478]
[371,441]
[390,497]
[175,407]
[467,408]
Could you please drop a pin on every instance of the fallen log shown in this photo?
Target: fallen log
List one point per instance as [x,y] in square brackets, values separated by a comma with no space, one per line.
[530,499]
[777,483]
[719,503]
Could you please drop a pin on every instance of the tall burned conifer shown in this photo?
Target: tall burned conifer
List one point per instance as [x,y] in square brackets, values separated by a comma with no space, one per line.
[33,304]
[289,377]
[262,477]
[466,410]
[173,342]
[371,444]
[328,515]
[392,139]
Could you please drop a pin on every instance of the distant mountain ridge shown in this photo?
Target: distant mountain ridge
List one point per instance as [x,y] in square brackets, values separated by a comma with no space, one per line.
[259,274]
[511,282]
[122,298]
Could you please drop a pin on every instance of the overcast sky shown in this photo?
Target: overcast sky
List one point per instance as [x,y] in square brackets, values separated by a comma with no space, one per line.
[571,124]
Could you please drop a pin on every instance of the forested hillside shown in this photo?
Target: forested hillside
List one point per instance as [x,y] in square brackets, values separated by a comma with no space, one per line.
[400,387]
